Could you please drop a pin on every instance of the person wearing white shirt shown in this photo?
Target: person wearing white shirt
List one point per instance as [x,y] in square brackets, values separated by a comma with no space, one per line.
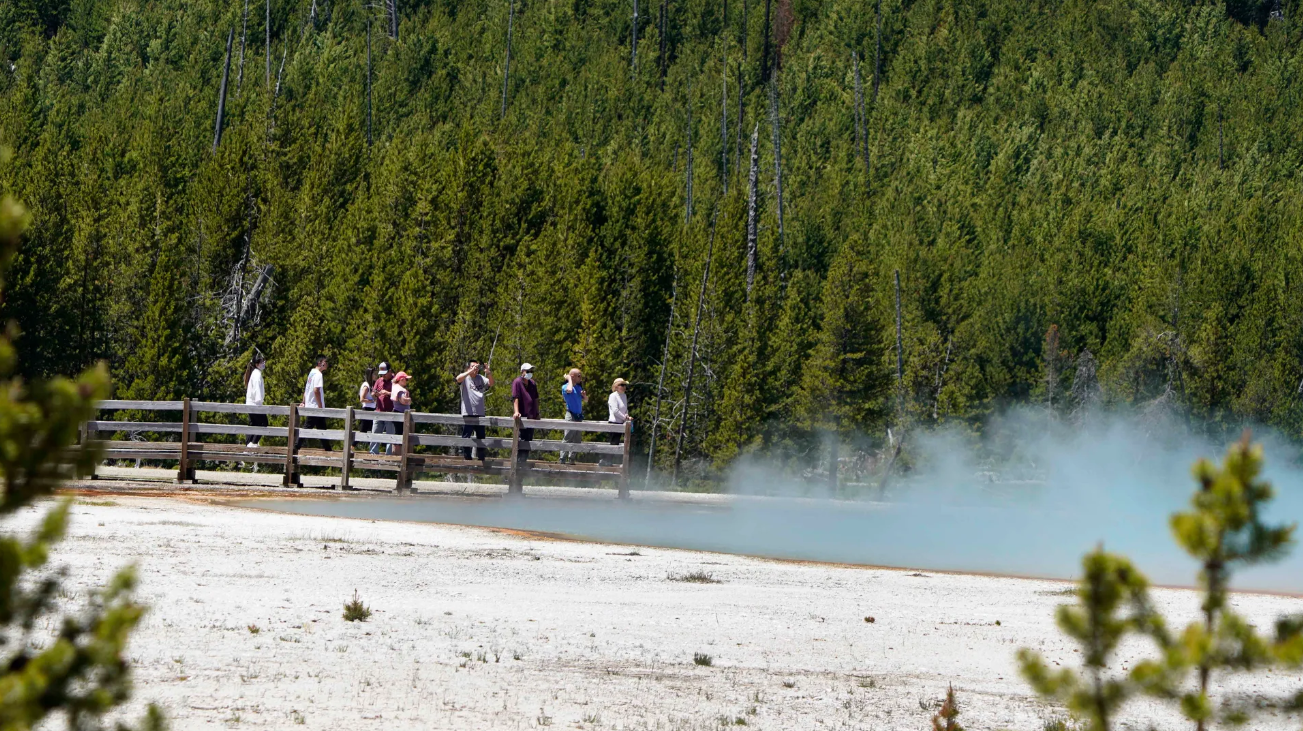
[314,397]
[255,392]
[617,407]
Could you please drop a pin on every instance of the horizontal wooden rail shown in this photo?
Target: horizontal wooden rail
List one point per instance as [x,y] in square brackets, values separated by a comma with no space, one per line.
[141,405]
[354,453]
[209,407]
[134,426]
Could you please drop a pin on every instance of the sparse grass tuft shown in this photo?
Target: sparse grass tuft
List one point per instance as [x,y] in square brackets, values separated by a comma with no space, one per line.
[1057,724]
[703,659]
[356,611]
[695,577]
[254,629]
[870,620]
[789,684]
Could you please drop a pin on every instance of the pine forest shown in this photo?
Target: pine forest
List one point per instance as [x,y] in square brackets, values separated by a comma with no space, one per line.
[792,225]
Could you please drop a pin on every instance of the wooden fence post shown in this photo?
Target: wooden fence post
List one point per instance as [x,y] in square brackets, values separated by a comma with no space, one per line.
[513,478]
[84,440]
[291,435]
[183,465]
[625,466]
[348,449]
[404,476]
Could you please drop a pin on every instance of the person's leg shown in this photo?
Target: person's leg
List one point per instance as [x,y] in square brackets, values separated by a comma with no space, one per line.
[614,439]
[256,420]
[377,427]
[572,436]
[467,431]
[526,435]
[321,424]
[395,428]
[480,452]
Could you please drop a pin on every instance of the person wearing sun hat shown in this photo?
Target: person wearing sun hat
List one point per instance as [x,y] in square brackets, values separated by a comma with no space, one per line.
[402,398]
[617,407]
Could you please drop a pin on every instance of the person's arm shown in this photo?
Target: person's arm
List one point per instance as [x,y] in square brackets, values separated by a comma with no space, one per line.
[321,399]
[515,404]
[462,376]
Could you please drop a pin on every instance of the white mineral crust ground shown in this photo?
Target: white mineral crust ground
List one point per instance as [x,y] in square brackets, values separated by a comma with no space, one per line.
[480,629]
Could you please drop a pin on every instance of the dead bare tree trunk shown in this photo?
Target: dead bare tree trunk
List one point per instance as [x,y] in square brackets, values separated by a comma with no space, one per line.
[393,18]
[775,123]
[660,382]
[271,112]
[900,353]
[506,67]
[267,28]
[896,438]
[244,37]
[692,352]
[941,379]
[723,131]
[633,62]
[746,27]
[877,54]
[752,222]
[687,169]
[1051,365]
[221,94]
[368,80]
[738,165]
[662,41]
[861,141]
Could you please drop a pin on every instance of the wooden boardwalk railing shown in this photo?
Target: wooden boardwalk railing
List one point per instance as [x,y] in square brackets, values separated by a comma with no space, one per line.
[408,461]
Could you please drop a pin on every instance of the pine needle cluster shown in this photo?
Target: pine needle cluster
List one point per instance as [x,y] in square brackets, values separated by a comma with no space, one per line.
[80,672]
[1223,530]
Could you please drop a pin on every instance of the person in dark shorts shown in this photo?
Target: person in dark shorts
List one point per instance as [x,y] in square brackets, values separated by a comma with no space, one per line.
[474,383]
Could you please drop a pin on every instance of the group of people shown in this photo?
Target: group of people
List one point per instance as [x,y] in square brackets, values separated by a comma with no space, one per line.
[385,392]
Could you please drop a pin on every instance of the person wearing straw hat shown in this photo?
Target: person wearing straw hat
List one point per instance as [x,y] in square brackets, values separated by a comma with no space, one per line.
[402,397]
[617,407]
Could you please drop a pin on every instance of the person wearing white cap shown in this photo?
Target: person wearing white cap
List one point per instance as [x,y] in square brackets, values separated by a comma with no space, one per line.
[617,408]
[524,400]
[383,393]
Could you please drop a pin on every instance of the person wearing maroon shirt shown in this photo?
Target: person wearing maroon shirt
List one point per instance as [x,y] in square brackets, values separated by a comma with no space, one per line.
[383,392]
[524,399]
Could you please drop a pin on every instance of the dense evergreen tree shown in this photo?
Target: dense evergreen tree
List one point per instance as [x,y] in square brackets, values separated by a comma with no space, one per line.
[1125,171]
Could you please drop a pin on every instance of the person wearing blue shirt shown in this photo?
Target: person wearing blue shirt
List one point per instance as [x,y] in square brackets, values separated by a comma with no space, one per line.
[574,394]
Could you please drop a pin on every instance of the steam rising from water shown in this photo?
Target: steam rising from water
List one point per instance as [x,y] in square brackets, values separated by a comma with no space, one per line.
[1028,498]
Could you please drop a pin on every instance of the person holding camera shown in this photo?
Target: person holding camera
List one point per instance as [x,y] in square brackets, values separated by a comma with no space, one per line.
[474,384]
